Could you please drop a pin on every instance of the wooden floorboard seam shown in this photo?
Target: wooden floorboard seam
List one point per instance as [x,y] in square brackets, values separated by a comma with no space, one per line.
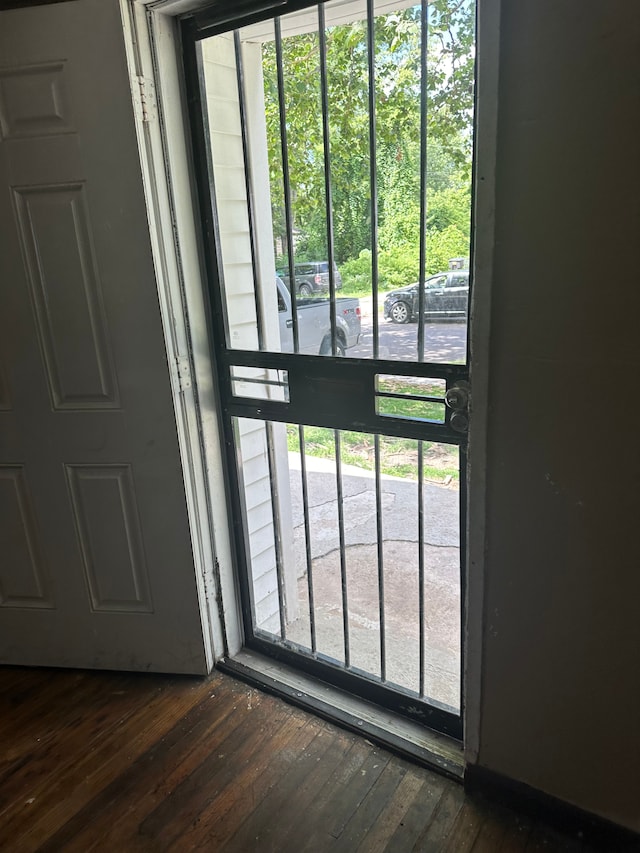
[94,761]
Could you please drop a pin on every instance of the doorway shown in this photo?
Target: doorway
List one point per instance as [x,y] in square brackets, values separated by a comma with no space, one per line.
[338,259]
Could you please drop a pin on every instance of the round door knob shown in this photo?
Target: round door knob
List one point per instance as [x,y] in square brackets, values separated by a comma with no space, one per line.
[459,422]
[457,397]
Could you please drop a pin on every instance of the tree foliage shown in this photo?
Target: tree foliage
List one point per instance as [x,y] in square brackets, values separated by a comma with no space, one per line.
[397,114]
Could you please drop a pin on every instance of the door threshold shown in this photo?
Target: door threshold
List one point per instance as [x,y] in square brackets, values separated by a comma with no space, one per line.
[391,731]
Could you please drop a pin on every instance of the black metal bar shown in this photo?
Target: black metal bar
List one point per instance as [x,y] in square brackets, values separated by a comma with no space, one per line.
[343,558]
[328,198]
[373,171]
[232,13]
[414,419]
[286,181]
[322,364]
[227,15]
[463,461]
[417,397]
[424,32]
[474,185]
[391,425]
[254,380]
[307,538]
[277,536]
[380,555]
[338,402]
[421,614]
[255,265]
[397,698]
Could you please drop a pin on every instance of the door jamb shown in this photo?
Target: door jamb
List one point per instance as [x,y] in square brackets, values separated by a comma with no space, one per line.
[482,231]
[151,43]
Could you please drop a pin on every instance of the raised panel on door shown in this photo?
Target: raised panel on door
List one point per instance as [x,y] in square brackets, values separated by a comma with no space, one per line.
[64,283]
[24,581]
[34,101]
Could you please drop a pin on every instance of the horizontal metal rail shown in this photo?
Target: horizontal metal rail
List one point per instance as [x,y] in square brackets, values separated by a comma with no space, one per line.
[391,425]
[314,364]
[389,395]
[254,380]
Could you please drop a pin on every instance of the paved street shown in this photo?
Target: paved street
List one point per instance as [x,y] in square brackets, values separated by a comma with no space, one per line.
[445,341]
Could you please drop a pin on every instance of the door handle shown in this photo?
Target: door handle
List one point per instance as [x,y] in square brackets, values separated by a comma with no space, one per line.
[289,323]
[459,422]
[457,399]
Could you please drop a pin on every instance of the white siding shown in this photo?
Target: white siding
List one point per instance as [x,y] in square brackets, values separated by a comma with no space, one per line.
[228,163]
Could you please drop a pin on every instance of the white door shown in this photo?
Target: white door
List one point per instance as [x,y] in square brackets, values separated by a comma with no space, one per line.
[96,564]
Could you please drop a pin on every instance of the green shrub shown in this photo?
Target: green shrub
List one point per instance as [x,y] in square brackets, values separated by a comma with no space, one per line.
[356,273]
[451,242]
[399,265]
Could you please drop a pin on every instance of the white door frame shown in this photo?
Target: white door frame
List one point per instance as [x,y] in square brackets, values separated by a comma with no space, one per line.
[152,55]
[153,49]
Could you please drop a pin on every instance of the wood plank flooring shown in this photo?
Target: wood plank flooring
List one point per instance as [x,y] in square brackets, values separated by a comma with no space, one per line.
[118,762]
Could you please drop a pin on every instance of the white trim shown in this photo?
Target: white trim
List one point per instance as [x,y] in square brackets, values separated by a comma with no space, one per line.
[487,53]
[173,8]
[151,39]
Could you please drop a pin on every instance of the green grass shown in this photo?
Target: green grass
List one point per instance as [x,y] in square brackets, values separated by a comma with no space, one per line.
[398,456]
[425,410]
[358,292]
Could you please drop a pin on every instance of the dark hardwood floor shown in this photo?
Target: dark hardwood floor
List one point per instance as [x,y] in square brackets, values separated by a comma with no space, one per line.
[117,762]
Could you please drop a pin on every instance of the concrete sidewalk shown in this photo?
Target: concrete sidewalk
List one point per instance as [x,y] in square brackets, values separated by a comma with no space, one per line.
[400,574]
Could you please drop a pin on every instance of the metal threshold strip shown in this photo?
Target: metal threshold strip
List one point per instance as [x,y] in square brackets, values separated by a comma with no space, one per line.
[391,731]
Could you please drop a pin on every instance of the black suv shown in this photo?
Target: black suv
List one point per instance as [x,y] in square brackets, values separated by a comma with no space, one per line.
[312,277]
[446,295]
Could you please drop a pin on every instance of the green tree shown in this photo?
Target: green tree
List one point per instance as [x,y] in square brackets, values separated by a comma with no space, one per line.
[397,52]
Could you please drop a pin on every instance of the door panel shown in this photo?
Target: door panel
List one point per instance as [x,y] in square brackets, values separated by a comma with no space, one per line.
[97,566]
[435,297]
[456,296]
[55,234]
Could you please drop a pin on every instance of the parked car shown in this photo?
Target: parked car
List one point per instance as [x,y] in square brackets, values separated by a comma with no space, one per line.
[312,277]
[446,295]
[314,323]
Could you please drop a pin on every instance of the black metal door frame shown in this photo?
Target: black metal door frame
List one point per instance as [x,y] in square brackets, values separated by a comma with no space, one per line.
[325,391]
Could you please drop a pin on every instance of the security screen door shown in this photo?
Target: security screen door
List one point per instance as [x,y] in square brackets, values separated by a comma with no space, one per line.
[334,147]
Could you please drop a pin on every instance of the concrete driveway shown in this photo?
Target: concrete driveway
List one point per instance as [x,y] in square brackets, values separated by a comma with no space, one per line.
[400,574]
